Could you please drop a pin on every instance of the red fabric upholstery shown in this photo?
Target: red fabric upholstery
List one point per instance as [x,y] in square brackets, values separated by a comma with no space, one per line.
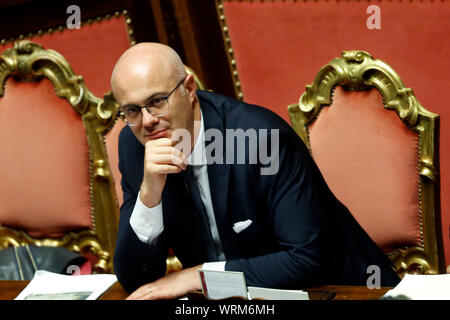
[279,46]
[85,268]
[44,167]
[369,159]
[92,52]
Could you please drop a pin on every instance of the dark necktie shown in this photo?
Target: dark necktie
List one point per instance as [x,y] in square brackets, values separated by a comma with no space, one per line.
[201,210]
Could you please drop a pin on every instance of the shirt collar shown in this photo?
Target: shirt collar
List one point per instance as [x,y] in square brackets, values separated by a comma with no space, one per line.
[198,156]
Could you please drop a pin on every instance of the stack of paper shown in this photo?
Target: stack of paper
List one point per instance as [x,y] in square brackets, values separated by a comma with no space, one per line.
[230,284]
[276,294]
[422,287]
[52,286]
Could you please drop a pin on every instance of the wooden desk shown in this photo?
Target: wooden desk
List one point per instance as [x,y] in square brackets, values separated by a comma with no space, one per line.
[11,289]
[353,292]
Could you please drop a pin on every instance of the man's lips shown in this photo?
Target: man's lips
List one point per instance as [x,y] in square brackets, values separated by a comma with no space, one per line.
[156,134]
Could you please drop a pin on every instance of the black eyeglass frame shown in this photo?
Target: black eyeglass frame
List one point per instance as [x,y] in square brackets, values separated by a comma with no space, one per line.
[121,114]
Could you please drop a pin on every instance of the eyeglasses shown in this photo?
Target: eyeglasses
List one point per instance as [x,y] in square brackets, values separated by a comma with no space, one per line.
[158,107]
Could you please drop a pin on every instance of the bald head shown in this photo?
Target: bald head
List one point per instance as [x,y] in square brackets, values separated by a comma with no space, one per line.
[148,63]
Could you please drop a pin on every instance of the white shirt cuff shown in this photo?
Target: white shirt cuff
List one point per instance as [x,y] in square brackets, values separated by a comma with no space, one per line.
[214,266]
[146,222]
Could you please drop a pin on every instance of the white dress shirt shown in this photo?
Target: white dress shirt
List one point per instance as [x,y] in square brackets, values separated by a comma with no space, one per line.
[148,223]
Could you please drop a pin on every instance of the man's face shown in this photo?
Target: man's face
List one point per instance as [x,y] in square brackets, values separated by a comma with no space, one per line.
[181,102]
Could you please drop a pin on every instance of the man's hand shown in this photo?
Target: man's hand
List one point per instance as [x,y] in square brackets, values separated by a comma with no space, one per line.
[161,158]
[172,286]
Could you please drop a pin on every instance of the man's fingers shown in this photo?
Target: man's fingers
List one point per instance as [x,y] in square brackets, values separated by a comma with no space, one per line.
[148,292]
[165,169]
[159,142]
[169,150]
[138,294]
[145,292]
[169,159]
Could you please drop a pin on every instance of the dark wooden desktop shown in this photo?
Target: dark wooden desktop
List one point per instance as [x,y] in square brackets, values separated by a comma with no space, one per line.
[11,289]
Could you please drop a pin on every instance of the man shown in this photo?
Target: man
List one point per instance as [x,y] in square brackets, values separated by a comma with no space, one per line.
[263,209]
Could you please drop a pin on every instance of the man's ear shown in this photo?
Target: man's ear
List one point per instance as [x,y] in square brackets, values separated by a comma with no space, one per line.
[190,86]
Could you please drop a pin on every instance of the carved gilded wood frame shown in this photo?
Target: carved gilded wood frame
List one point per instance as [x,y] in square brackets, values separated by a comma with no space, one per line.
[229,49]
[28,61]
[357,70]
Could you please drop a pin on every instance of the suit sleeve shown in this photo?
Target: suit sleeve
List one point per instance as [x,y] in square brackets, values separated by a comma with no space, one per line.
[135,262]
[295,197]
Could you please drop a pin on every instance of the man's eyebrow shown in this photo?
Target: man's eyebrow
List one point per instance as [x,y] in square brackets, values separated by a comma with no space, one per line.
[162,94]
[128,105]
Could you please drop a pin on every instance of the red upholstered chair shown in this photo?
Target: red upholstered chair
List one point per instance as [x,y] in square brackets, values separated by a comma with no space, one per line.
[377,148]
[55,187]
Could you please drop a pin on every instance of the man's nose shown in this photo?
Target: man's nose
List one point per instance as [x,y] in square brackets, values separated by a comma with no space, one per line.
[148,119]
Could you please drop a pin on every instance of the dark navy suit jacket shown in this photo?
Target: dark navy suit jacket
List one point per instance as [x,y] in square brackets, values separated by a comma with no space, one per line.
[300,236]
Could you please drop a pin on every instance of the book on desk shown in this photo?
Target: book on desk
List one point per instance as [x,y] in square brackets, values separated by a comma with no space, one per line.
[222,285]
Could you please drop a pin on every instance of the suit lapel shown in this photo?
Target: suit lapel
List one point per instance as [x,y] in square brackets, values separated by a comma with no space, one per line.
[218,176]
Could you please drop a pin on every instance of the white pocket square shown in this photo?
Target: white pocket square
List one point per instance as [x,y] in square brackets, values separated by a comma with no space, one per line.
[241,225]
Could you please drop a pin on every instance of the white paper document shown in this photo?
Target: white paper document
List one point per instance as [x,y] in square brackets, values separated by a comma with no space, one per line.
[422,287]
[276,294]
[52,286]
[227,284]
[223,284]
